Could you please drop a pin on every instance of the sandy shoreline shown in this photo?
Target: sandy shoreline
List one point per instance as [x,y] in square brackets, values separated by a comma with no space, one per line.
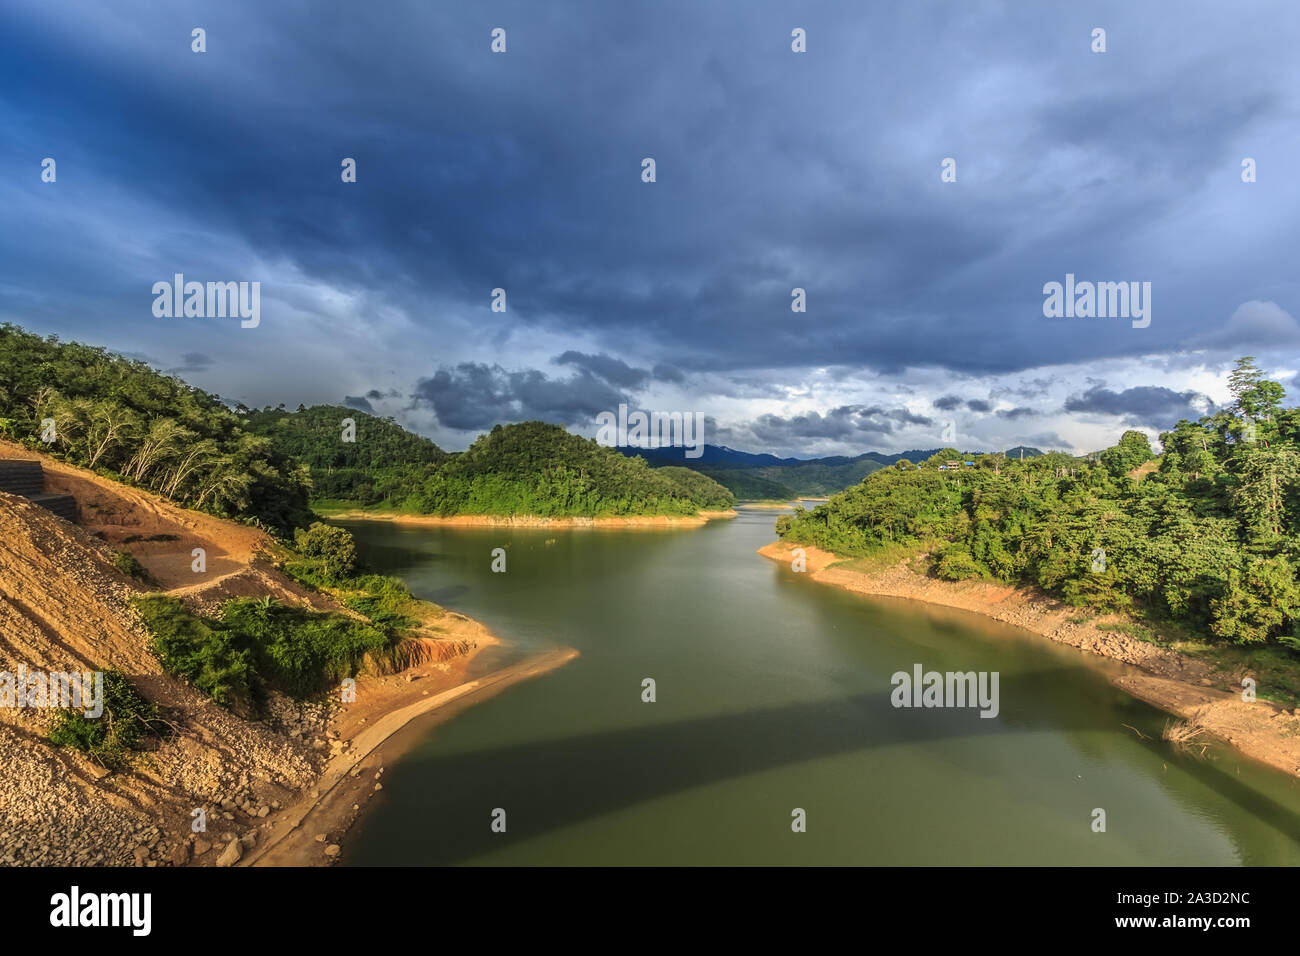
[1171,681]
[532,521]
[309,832]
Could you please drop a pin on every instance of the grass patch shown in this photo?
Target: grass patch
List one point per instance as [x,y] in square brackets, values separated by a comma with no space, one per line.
[885,557]
[126,562]
[1276,669]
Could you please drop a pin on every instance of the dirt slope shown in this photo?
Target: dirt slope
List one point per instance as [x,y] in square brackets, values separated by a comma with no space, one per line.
[64,606]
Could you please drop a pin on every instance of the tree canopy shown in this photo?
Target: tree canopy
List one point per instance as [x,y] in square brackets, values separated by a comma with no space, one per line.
[1209,539]
[140,426]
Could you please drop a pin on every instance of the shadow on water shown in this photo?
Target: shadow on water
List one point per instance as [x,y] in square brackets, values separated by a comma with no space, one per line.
[643,763]
[779,695]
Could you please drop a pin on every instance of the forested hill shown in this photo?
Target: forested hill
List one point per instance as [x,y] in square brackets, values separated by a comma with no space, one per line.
[140,426]
[1209,540]
[352,456]
[755,476]
[537,469]
[135,424]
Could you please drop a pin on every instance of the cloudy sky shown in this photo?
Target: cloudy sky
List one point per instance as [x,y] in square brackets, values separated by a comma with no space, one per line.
[775,170]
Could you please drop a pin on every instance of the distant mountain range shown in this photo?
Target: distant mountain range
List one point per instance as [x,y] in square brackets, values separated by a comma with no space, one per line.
[764,476]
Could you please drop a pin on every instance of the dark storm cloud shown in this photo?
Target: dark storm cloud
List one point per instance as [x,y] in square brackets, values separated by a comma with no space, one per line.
[475,396]
[590,247]
[612,370]
[664,372]
[359,403]
[846,423]
[192,362]
[1143,404]
[1018,412]
[775,170]
[947,403]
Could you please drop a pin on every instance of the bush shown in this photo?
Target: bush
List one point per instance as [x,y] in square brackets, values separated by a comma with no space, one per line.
[333,546]
[957,564]
[126,562]
[258,645]
[213,659]
[302,652]
[110,738]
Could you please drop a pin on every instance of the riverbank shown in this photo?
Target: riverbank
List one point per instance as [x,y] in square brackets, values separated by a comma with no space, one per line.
[1207,698]
[310,832]
[534,521]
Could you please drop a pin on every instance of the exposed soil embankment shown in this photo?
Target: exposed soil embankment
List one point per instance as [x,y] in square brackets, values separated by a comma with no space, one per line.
[533,521]
[1163,677]
[310,832]
[64,606]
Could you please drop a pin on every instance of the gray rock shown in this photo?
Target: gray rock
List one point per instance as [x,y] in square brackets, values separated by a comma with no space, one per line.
[231,854]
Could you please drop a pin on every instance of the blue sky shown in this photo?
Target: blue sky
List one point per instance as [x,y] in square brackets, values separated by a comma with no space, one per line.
[775,170]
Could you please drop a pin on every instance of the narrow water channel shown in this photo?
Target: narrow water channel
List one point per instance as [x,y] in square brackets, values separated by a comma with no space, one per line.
[773,693]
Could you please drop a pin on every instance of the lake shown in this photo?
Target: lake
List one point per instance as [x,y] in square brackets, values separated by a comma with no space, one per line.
[773,694]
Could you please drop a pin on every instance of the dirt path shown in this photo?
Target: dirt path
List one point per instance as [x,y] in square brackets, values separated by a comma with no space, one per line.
[160,534]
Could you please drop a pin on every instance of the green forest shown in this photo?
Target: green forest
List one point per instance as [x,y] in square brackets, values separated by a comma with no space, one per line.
[136,425]
[380,464]
[538,469]
[1206,536]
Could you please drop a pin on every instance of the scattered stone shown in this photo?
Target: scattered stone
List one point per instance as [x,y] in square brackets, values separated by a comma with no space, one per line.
[333,850]
[141,853]
[231,854]
[201,847]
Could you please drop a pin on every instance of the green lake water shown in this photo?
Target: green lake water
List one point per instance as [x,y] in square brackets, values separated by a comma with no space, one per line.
[773,693]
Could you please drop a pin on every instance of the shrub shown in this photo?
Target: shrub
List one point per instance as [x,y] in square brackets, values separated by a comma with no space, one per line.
[957,564]
[212,658]
[126,562]
[334,548]
[110,738]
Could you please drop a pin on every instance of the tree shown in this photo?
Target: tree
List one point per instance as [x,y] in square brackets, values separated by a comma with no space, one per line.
[333,546]
[1254,397]
[1134,449]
